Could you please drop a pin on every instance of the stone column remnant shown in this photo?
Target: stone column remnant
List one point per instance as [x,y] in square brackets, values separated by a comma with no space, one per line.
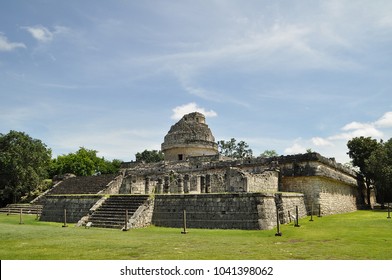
[130,184]
[208,183]
[186,183]
[147,185]
[180,184]
[202,184]
[160,186]
[166,186]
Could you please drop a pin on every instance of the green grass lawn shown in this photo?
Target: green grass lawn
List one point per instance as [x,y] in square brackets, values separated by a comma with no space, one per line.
[362,235]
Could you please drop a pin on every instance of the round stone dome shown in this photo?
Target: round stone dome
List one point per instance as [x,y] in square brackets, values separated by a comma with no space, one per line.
[190,136]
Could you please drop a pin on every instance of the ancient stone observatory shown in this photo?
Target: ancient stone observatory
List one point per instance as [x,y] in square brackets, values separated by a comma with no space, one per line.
[215,192]
[190,136]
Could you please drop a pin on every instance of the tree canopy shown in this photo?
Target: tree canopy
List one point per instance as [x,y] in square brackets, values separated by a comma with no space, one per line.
[23,165]
[83,162]
[269,153]
[360,150]
[149,156]
[233,149]
[379,164]
[374,160]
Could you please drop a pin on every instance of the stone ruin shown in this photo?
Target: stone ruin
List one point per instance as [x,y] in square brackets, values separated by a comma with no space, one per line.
[215,191]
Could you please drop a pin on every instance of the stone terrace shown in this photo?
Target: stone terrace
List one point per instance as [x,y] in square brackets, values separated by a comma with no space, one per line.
[83,185]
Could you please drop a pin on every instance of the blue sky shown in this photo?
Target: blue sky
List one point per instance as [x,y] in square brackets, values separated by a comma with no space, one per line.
[115,75]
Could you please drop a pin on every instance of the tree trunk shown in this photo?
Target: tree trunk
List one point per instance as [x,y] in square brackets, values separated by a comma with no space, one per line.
[368,184]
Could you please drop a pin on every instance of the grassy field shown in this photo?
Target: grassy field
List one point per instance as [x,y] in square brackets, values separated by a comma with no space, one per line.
[362,235]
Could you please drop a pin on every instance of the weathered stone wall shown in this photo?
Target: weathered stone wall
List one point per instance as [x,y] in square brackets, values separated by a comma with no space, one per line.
[198,149]
[264,182]
[77,206]
[333,196]
[113,187]
[226,211]
[143,216]
[287,204]
[194,180]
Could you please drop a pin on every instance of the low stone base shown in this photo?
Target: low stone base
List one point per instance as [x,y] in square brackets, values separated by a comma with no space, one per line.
[76,207]
[226,211]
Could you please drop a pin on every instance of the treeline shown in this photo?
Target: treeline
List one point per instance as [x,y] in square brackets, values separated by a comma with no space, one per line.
[27,167]
[374,162]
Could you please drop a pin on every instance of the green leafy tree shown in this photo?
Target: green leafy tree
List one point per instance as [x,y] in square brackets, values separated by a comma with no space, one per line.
[149,156]
[269,153]
[23,165]
[233,149]
[227,148]
[360,150]
[380,165]
[84,162]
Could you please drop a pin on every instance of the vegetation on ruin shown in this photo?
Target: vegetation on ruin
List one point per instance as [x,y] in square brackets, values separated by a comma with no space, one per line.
[233,149]
[269,153]
[26,166]
[362,235]
[149,156]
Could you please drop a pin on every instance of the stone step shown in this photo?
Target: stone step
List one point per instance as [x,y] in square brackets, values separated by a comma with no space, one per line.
[124,203]
[26,209]
[108,224]
[122,206]
[128,199]
[111,214]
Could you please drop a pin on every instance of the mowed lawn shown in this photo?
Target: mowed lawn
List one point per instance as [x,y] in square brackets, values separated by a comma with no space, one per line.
[362,235]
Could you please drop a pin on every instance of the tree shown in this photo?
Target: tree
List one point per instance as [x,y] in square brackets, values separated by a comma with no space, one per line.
[84,162]
[380,165]
[23,165]
[269,153]
[235,150]
[360,150]
[227,148]
[149,156]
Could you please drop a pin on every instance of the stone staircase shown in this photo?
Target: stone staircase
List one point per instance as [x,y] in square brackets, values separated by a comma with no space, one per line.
[83,184]
[111,214]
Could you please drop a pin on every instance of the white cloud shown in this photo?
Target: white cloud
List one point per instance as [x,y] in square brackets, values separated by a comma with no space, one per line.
[335,145]
[385,120]
[355,126]
[5,45]
[367,129]
[43,34]
[40,33]
[182,110]
[320,142]
[295,149]
[357,129]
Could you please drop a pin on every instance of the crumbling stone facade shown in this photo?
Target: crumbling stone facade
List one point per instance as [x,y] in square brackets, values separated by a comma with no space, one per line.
[190,136]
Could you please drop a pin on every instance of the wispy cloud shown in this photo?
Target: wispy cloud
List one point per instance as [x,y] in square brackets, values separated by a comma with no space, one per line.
[335,144]
[180,111]
[43,34]
[6,45]
[319,142]
[368,129]
[40,33]
[296,148]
